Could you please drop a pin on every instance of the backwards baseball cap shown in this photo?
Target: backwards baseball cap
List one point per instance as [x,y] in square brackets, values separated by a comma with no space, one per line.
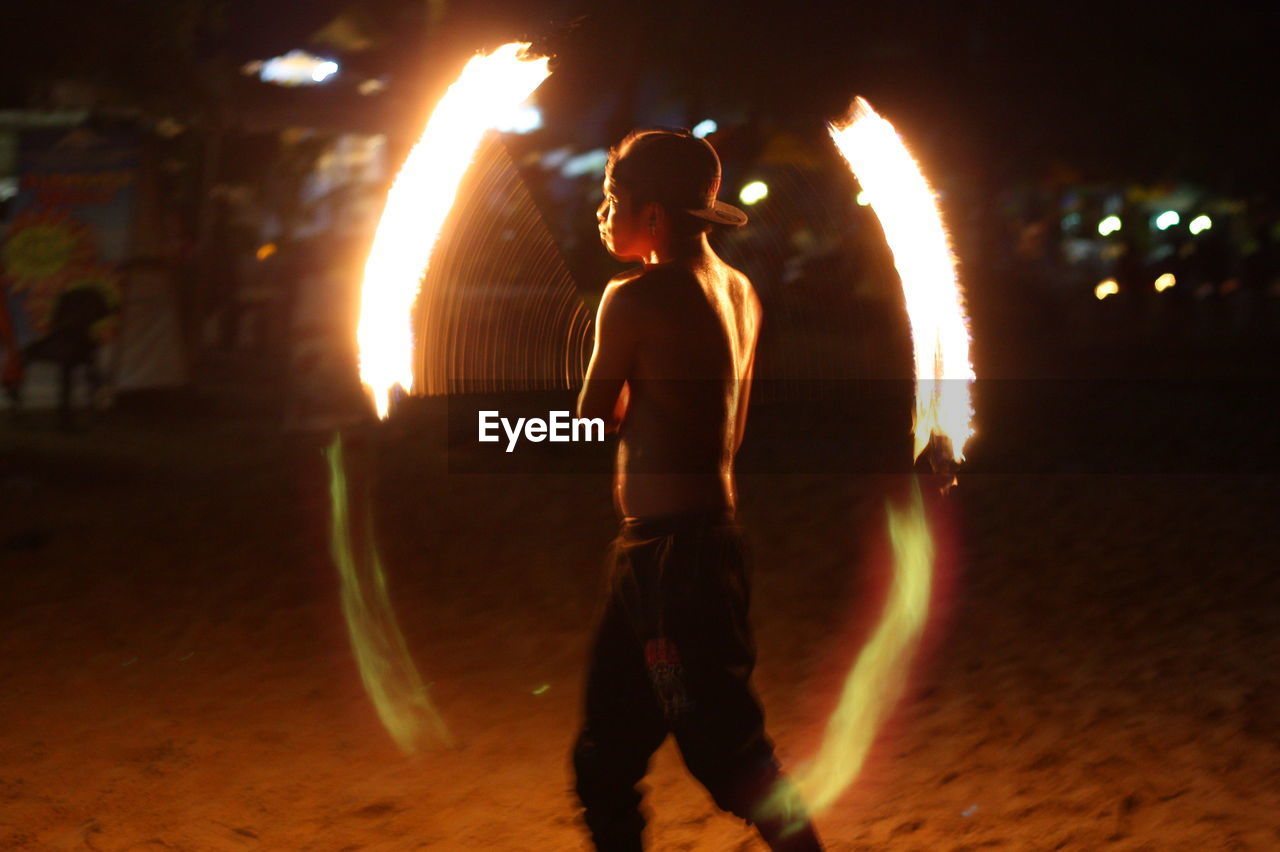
[676,169]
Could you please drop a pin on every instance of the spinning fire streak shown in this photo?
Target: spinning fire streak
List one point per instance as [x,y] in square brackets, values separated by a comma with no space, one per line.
[908,212]
[488,89]
[386,667]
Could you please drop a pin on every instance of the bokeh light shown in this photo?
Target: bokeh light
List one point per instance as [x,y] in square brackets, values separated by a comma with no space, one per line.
[754,192]
[705,128]
[1109,225]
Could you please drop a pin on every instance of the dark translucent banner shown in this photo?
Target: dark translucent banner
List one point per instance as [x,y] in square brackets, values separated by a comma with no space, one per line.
[864,427]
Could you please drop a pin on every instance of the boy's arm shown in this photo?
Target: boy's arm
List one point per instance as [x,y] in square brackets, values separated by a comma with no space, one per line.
[604,393]
[744,390]
[744,400]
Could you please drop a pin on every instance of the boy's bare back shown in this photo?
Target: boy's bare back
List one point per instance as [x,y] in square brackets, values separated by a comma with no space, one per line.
[682,336]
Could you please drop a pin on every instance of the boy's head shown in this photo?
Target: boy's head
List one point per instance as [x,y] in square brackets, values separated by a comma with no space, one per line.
[660,185]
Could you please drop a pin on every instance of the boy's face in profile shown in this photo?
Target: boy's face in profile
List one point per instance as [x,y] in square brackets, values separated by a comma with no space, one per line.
[623,229]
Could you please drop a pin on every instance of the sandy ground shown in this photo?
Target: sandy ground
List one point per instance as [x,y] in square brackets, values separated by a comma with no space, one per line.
[175,674]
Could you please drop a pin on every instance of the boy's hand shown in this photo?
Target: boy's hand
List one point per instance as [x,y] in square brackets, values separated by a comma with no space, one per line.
[936,467]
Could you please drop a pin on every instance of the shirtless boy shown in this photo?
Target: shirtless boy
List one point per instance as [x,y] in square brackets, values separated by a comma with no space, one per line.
[671,373]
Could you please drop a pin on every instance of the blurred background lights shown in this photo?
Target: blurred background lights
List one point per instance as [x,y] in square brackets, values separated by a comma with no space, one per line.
[754,192]
[556,157]
[1109,225]
[862,198]
[1167,219]
[591,162]
[1200,223]
[324,71]
[705,128]
[1165,281]
[1106,288]
[525,118]
[295,68]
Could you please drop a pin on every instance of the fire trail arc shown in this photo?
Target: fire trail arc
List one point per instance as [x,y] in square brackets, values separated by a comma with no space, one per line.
[488,88]
[909,214]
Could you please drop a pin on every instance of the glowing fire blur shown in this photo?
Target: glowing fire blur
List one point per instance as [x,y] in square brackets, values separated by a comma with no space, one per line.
[386,667]
[878,677]
[908,212]
[488,90]
[485,93]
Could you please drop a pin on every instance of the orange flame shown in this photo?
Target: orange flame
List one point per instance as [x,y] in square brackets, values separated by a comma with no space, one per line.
[488,88]
[908,210]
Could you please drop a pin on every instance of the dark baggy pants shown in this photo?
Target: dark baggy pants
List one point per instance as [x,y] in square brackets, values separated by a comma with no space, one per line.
[674,654]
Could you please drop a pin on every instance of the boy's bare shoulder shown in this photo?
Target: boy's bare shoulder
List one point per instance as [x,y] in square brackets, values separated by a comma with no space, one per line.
[626,298]
[646,277]
[626,276]
[646,287]
[742,284]
[647,283]
[655,286]
[622,292]
[736,274]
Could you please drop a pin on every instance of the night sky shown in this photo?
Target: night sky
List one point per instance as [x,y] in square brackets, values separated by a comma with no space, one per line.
[1116,92]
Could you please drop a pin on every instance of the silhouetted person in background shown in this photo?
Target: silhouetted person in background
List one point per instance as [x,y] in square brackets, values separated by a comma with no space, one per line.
[70,344]
[671,372]
[10,357]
